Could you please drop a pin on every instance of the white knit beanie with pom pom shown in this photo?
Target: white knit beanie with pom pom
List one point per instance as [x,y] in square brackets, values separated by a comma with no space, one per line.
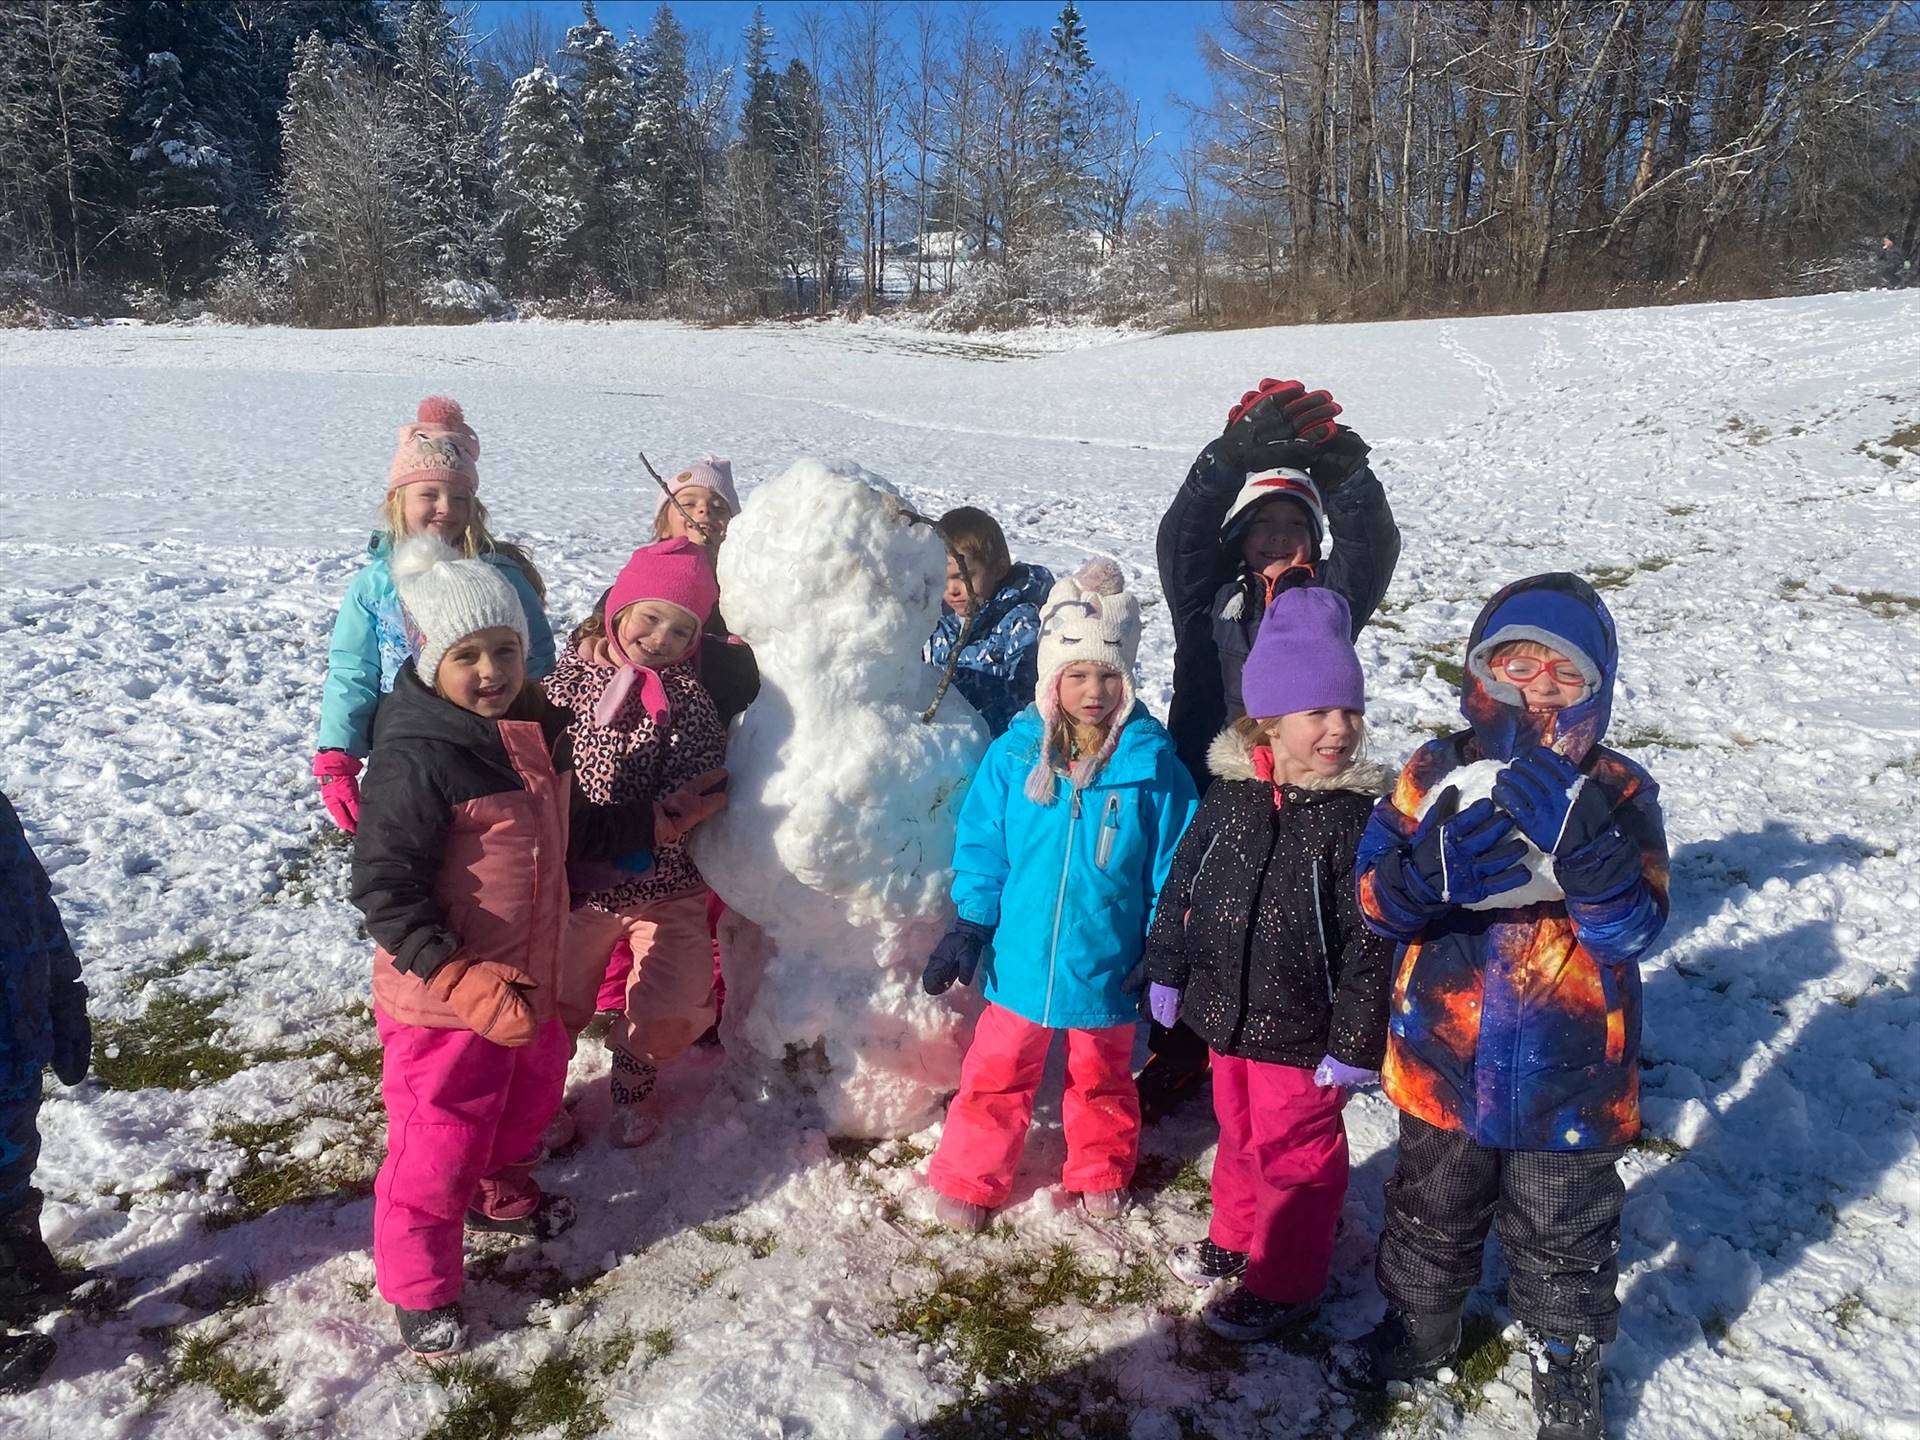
[448,598]
[1089,618]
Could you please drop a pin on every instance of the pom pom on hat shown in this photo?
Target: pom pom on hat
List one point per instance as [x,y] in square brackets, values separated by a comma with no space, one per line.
[448,598]
[1101,575]
[442,411]
[1089,619]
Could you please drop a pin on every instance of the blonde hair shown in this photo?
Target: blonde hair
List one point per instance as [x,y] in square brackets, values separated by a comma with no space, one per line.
[1252,730]
[476,540]
[1533,649]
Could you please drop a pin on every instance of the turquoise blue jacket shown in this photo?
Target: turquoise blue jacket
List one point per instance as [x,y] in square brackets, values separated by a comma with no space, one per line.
[370,645]
[1070,885]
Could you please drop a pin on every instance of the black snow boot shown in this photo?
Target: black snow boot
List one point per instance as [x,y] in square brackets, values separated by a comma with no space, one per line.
[1165,1082]
[431,1334]
[31,1280]
[23,1360]
[1402,1347]
[1566,1386]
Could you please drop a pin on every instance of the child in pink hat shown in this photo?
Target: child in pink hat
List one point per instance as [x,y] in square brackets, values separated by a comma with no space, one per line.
[646,728]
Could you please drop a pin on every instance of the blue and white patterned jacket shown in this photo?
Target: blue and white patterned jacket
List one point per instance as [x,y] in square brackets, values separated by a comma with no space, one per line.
[999,663]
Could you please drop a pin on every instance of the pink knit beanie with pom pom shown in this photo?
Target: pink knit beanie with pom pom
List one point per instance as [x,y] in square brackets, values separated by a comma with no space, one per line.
[1089,619]
[437,444]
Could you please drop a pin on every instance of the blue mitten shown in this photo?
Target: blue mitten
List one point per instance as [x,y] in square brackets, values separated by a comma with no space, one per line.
[1551,802]
[1471,856]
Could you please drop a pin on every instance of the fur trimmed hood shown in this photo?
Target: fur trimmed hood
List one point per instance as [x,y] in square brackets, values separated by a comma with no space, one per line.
[1230,757]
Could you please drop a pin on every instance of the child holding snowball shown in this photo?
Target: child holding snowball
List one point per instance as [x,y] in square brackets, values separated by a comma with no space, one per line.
[432,487]
[1514,1048]
[646,731]
[1066,835]
[1258,943]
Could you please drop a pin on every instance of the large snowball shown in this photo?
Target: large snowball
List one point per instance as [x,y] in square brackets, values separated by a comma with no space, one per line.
[1475,782]
[837,842]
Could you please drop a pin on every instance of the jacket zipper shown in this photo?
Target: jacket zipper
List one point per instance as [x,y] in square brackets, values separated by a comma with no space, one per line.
[1109,831]
[1059,907]
[1320,924]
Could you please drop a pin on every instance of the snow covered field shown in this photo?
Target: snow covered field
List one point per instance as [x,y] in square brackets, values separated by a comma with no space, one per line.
[181,508]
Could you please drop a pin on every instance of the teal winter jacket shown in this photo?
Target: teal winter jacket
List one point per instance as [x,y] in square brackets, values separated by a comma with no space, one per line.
[1069,886]
[370,645]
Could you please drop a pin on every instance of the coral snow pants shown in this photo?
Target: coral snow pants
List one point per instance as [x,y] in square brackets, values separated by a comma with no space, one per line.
[613,984]
[668,1002]
[1279,1175]
[987,1122]
[464,1117]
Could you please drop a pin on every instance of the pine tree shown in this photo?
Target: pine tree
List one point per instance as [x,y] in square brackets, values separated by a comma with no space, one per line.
[182,201]
[811,183]
[447,167]
[542,196]
[600,89]
[667,186]
[1069,118]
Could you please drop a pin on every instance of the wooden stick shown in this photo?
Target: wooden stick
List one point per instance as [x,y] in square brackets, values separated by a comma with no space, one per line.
[666,490]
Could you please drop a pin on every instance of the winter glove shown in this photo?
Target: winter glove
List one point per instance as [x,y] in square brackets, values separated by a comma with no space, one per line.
[1333,1071]
[956,957]
[1268,425]
[701,798]
[72,1040]
[489,998]
[1551,801]
[1338,461]
[1462,859]
[339,788]
[634,862]
[1163,1004]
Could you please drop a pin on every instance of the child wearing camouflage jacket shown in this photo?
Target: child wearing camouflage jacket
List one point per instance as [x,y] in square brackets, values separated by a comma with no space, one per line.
[44,1021]
[1514,1039]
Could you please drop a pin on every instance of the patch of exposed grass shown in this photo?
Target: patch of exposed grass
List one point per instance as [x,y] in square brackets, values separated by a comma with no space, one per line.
[1653,737]
[1892,451]
[1886,604]
[659,1342]
[1164,1175]
[225,1294]
[1659,1145]
[562,1394]
[197,957]
[173,1044]
[757,1243]
[1484,1352]
[201,1359]
[1847,1313]
[318,872]
[1615,577]
[1681,510]
[1093,1404]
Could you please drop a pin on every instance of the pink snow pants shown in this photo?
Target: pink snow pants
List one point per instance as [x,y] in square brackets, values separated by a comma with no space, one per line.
[464,1117]
[1279,1175]
[987,1122]
[613,985]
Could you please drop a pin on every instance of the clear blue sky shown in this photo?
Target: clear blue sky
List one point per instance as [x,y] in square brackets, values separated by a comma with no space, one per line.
[1149,46]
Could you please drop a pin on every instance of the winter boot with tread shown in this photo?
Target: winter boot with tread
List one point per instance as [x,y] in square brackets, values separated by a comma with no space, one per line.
[432,1334]
[1566,1386]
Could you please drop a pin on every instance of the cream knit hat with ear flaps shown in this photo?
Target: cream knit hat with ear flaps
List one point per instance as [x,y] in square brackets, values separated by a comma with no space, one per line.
[1089,618]
[447,599]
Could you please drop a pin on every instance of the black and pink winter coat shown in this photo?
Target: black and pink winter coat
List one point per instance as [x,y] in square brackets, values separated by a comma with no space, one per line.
[632,760]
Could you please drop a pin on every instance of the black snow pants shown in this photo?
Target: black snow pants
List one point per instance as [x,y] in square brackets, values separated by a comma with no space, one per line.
[1558,1213]
[28,1270]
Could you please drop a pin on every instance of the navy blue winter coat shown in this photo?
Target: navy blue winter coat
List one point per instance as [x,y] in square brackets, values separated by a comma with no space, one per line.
[1217,607]
[39,973]
[998,665]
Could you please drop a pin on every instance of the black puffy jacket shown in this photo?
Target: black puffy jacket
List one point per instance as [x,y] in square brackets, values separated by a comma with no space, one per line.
[1258,926]
[1217,608]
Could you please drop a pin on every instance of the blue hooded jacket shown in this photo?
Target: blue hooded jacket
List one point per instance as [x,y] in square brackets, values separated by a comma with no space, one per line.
[1521,1027]
[1070,886]
[370,645]
[39,973]
[998,665]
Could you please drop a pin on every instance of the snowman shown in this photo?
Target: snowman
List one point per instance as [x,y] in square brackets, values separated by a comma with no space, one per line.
[835,852]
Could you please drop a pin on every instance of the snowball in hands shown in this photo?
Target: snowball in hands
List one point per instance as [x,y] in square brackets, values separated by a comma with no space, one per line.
[1475,782]
[837,845]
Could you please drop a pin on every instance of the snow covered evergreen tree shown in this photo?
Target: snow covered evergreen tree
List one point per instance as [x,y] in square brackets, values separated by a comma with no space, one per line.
[542,194]
[600,90]
[751,213]
[179,214]
[447,167]
[667,159]
[1070,122]
[811,180]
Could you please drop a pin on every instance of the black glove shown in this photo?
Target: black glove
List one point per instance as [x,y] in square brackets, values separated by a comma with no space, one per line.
[72,1038]
[1261,428]
[1338,461]
[956,957]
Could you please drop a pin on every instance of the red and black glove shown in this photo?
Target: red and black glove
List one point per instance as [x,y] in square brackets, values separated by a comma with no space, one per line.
[1265,428]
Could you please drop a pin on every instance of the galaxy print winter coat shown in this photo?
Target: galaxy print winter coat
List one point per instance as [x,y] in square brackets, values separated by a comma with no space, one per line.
[1257,925]
[633,760]
[998,666]
[370,644]
[1521,1027]
[39,973]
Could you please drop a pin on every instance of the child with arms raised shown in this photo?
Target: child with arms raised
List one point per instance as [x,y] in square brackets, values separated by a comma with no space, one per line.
[1065,837]
[459,867]
[1514,1048]
[1257,941]
[643,732]
[432,488]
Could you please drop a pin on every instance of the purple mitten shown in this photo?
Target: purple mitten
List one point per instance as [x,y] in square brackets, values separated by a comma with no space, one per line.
[1332,1072]
[1163,1003]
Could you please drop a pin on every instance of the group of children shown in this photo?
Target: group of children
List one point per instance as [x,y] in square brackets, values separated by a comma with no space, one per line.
[1294,919]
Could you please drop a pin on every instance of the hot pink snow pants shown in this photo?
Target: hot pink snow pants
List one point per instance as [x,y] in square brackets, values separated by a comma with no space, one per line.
[987,1122]
[464,1117]
[1279,1175]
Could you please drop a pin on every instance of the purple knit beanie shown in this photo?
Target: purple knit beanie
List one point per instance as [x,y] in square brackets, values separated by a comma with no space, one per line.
[1303,657]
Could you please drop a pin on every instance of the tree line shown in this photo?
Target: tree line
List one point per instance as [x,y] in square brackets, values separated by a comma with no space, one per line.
[372,161]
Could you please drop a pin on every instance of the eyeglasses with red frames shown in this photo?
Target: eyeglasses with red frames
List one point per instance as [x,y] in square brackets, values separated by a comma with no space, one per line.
[1523,669]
